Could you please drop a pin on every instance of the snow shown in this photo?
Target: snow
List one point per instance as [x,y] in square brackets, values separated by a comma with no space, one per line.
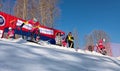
[19,55]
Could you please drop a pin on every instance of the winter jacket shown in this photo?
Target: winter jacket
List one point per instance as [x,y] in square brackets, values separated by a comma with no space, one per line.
[100,44]
[64,44]
[10,33]
[58,40]
[70,38]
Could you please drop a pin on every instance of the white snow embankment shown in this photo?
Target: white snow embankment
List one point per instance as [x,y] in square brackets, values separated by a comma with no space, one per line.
[19,55]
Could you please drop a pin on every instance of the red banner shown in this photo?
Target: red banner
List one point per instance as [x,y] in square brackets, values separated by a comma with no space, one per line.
[7,20]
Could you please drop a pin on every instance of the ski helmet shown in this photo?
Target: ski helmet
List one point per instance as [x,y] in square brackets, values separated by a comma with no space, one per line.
[104,40]
[10,28]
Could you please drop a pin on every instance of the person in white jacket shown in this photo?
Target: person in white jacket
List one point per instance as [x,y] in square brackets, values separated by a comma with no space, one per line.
[58,39]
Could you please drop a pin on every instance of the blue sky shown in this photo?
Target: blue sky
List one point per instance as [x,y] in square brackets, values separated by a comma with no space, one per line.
[89,15]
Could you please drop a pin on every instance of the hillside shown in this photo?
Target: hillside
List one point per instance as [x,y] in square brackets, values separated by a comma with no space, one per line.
[19,55]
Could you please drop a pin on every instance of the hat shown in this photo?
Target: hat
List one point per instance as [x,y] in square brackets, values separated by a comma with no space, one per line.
[10,28]
[34,19]
[104,39]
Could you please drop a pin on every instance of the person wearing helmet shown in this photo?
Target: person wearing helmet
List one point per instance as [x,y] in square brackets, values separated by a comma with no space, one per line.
[10,33]
[33,21]
[100,46]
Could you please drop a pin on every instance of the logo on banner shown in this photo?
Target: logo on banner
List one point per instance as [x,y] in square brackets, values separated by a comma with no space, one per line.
[2,21]
[46,31]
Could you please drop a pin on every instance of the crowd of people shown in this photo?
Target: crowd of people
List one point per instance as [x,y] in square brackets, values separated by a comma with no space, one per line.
[34,32]
[11,33]
[100,47]
[60,39]
[66,41]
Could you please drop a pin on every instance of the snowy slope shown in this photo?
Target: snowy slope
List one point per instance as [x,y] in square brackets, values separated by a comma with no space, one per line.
[19,55]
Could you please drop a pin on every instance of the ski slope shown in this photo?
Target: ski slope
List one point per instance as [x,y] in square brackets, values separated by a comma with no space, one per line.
[19,55]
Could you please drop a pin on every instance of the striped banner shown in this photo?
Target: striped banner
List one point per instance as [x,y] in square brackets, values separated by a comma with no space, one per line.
[19,23]
[26,26]
[46,31]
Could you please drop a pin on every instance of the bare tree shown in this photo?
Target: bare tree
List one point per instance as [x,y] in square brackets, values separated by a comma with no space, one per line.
[25,2]
[89,41]
[33,9]
[99,34]
[20,9]
[54,11]
[48,11]
[76,38]
[45,11]
[95,36]
[42,10]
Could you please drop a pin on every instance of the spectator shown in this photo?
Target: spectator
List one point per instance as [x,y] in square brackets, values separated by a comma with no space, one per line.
[35,33]
[11,33]
[37,36]
[70,40]
[101,47]
[58,39]
[90,48]
[64,44]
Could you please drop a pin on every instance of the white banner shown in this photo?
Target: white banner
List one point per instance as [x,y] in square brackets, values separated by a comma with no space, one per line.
[19,23]
[46,31]
[28,26]
[1,33]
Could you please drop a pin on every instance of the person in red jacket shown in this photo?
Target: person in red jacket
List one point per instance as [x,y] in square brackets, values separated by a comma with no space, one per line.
[10,33]
[100,46]
[35,33]
[64,43]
